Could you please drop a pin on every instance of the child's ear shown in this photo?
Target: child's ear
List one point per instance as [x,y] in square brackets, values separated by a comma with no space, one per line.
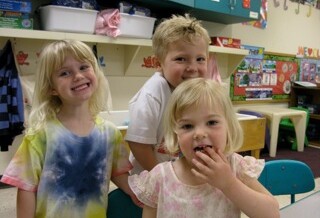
[156,63]
[54,92]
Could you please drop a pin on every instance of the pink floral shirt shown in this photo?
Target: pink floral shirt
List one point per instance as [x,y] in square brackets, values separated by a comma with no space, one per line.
[160,188]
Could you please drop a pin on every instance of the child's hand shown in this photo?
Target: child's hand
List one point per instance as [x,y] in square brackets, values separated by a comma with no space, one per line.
[213,168]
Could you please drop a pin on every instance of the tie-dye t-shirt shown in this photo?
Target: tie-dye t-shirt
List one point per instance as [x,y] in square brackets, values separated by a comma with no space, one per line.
[70,174]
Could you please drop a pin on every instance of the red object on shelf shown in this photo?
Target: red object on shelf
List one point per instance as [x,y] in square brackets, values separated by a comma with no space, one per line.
[246,4]
[226,42]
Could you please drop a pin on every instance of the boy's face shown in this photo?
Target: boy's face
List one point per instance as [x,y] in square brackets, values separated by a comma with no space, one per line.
[185,60]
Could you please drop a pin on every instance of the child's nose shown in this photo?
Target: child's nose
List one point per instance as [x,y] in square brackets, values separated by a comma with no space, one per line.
[77,75]
[200,134]
[192,67]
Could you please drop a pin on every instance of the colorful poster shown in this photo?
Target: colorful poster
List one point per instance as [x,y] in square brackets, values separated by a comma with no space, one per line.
[263,78]
[309,70]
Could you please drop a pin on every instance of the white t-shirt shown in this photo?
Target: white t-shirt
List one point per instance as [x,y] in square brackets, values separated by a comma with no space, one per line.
[146,110]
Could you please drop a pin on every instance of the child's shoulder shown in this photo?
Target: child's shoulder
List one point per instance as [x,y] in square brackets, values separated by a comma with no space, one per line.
[156,80]
[247,165]
[99,121]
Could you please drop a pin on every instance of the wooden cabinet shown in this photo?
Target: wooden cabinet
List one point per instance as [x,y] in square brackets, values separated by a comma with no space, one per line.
[253,135]
[184,2]
[218,11]
[308,96]
[228,11]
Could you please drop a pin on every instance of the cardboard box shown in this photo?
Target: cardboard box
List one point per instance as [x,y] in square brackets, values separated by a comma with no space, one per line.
[14,14]
[226,42]
[136,26]
[18,6]
[67,19]
[16,22]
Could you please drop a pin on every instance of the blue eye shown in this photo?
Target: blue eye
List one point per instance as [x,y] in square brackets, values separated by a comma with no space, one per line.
[212,122]
[202,59]
[186,126]
[64,73]
[84,67]
[180,59]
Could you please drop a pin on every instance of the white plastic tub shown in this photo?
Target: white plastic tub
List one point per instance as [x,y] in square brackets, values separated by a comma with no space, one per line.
[136,26]
[119,118]
[68,19]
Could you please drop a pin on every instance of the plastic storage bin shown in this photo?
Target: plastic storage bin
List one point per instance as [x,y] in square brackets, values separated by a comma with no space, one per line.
[68,19]
[136,26]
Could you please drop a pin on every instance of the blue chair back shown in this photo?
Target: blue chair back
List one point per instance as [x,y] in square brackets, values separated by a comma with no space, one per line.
[120,205]
[287,177]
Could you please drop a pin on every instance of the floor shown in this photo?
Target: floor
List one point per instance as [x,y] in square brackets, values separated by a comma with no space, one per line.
[8,199]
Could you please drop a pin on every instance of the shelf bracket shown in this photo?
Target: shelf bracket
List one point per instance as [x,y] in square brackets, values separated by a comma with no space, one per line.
[130,53]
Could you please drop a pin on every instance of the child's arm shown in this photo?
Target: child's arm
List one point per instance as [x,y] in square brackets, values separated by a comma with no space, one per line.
[144,154]
[26,204]
[249,195]
[121,181]
[149,212]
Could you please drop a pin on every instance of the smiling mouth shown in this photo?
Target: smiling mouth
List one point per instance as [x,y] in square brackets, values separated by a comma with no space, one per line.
[201,148]
[80,87]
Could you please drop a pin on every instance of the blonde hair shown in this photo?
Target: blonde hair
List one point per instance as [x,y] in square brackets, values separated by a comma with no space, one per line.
[194,93]
[176,28]
[45,105]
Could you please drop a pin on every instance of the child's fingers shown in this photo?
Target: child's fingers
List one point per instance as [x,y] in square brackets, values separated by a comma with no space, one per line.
[199,175]
[203,168]
[222,155]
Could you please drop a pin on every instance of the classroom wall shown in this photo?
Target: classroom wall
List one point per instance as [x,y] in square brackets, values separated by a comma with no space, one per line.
[285,32]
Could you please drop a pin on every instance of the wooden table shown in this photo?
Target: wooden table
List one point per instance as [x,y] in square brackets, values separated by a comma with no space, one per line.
[308,207]
[253,135]
[274,116]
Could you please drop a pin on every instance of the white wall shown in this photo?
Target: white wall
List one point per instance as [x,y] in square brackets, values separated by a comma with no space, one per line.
[285,32]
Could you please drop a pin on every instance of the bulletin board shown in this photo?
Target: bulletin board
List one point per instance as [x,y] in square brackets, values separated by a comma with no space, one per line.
[263,76]
[309,70]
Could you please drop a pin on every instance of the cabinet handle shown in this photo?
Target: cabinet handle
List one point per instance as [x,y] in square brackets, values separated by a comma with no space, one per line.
[233,4]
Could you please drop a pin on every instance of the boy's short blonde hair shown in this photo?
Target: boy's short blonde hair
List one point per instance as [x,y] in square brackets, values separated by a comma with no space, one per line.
[176,28]
[195,93]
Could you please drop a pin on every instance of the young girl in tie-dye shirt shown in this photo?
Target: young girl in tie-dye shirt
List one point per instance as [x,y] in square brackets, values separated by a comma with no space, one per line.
[69,154]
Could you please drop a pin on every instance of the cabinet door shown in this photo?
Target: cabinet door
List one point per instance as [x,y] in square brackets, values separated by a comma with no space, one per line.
[231,7]
[184,2]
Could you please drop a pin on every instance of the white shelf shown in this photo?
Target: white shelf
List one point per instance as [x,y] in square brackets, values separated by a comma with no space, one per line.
[49,35]
[228,58]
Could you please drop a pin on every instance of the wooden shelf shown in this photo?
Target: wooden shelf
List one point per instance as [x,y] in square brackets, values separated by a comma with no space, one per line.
[314,143]
[228,58]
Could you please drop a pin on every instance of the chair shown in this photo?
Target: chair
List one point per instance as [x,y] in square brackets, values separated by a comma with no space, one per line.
[287,177]
[121,205]
[287,131]
[267,133]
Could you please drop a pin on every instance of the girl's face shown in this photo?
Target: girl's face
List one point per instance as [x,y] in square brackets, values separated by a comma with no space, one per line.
[201,127]
[185,60]
[75,82]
